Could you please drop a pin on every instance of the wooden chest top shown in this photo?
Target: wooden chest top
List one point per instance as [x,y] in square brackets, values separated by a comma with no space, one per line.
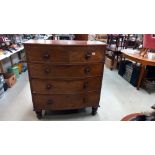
[65,43]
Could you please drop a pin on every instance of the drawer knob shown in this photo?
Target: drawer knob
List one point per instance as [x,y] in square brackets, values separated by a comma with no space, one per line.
[87,70]
[49,102]
[85,85]
[49,86]
[47,70]
[46,56]
[88,55]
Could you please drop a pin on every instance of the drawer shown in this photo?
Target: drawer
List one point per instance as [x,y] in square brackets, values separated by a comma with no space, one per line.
[61,102]
[67,54]
[87,54]
[49,71]
[47,54]
[65,86]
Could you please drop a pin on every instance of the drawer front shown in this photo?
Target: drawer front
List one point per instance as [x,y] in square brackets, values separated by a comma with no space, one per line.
[64,71]
[60,102]
[65,86]
[65,54]
[87,54]
[47,54]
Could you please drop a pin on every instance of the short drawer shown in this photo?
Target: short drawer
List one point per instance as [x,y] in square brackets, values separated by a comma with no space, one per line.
[65,86]
[87,54]
[60,102]
[47,54]
[49,71]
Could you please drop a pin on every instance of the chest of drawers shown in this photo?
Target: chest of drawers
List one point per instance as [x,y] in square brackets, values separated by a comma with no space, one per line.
[65,74]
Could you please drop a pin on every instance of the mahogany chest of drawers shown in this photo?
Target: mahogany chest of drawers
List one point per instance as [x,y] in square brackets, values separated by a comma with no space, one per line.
[65,74]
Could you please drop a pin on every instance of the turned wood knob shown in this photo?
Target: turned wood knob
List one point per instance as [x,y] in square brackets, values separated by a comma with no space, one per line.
[87,70]
[48,86]
[47,70]
[85,85]
[88,55]
[49,102]
[46,56]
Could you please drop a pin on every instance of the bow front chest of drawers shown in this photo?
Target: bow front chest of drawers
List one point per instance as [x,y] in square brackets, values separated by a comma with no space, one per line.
[65,74]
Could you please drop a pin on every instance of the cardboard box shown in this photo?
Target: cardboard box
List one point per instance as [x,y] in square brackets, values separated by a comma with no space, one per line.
[10,79]
[110,64]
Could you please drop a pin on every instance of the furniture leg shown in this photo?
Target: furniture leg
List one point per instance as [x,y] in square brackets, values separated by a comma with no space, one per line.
[39,114]
[113,59]
[94,110]
[142,71]
[121,57]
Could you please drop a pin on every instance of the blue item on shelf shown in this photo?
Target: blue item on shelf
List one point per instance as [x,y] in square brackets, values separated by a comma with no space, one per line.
[24,68]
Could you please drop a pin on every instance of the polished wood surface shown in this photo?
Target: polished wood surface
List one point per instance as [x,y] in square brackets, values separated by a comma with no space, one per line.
[64,42]
[65,77]
[49,71]
[60,54]
[65,86]
[144,61]
[66,101]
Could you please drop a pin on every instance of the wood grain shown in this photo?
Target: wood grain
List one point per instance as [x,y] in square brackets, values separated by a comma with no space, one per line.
[65,74]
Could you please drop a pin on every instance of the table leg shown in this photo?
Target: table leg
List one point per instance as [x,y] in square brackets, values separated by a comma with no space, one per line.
[142,71]
[113,59]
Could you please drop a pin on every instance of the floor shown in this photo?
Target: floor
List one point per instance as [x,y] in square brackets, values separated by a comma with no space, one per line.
[118,98]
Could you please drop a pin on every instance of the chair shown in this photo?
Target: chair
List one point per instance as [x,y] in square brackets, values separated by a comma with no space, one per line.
[115,44]
[132,41]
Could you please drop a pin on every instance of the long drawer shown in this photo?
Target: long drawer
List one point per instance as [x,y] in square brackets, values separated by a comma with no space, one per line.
[60,102]
[65,86]
[49,71]
[65,55]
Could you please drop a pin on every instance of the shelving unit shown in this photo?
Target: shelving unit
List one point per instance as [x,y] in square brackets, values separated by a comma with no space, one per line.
[9,56]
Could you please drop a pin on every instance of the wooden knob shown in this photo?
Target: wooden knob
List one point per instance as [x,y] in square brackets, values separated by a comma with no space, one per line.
[88,55]
[87,70]
[46,56]
[49,102]
[49,86]
[47,70]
